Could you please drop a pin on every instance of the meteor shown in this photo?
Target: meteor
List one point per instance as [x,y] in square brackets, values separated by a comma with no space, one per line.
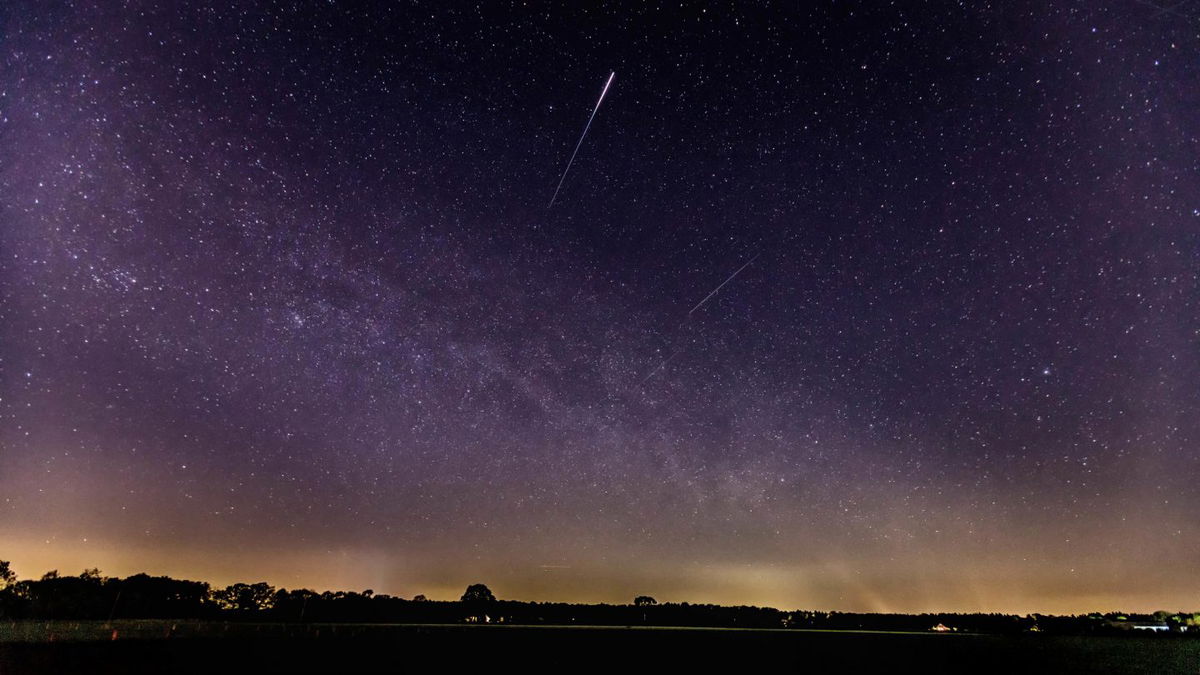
[686,321]
[731,276]
[660,366]
[581,137]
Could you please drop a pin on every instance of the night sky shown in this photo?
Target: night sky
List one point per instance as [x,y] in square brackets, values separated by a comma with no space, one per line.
[281,298]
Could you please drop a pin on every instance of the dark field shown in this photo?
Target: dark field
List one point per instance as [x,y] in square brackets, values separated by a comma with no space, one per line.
[143,647]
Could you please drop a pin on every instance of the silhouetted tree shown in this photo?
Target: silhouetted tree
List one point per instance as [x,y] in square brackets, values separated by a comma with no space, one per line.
[420,598]
[478,593]
[246,597]
[644,600]
[59,597]
[10,604]
[478,600]
[144,596]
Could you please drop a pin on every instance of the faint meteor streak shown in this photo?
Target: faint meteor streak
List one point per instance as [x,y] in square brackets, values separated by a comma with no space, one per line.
[718,288]
[662,364]
[1164,10]
[581,137]
[659,367]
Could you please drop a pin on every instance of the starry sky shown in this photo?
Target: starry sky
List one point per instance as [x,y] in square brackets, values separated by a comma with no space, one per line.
[281,298]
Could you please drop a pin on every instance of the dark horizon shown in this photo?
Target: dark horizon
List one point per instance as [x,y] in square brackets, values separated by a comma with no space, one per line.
[873,307]
[658,599]
[92,595]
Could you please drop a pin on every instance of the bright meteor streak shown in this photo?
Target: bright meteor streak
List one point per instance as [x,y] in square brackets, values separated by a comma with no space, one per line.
[581,137]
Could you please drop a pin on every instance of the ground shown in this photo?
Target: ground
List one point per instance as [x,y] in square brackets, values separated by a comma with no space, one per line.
[197,647]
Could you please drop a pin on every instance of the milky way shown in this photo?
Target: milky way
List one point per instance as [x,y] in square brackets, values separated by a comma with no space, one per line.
[281,299]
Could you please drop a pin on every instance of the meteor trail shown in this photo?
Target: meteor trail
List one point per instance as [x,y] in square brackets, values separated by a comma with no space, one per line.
[731,276]
[581,137]
[660,365]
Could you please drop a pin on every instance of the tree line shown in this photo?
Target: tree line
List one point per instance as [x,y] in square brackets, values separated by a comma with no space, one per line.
[91,596]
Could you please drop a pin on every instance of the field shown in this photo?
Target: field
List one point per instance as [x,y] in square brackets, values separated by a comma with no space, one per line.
[211,647]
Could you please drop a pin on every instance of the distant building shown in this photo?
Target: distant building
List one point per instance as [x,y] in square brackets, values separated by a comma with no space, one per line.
[1132,625]
[941,628]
